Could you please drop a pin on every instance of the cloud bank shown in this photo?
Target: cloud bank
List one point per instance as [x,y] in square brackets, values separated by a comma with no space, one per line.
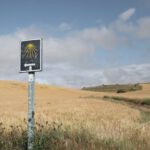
[69,59]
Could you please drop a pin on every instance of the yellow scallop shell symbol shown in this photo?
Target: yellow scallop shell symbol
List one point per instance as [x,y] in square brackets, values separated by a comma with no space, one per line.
[30,50]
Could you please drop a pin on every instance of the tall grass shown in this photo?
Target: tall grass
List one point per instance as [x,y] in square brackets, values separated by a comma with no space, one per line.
[56,136]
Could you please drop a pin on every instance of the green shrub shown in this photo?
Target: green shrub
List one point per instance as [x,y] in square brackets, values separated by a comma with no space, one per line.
[146,101]
[119,88]
[121,91]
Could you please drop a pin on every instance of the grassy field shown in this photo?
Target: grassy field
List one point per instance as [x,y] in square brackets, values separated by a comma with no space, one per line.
[72,119]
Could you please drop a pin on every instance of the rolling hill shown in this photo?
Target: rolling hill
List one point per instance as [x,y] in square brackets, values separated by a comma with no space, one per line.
[76,110]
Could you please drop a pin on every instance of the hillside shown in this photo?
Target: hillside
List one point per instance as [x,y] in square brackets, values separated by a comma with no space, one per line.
[76,110]
[51,103]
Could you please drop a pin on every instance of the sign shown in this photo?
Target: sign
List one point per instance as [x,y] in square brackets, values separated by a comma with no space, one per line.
[31,61]
[31,56]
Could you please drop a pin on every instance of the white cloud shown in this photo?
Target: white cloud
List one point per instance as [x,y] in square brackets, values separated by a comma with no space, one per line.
[124,27]
[103,36]
[77,45]
[67,58]
[127,14]
[67,75]
[31,32]
[139,29]
[65,26]
[129,74]
[65,49]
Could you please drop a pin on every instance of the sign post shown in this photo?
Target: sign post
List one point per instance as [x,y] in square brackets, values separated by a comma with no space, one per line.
[31,62]
[31,80]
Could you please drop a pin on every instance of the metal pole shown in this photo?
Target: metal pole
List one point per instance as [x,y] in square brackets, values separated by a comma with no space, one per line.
[31,81]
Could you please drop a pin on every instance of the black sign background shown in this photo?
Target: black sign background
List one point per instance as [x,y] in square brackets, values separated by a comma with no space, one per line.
[29,57]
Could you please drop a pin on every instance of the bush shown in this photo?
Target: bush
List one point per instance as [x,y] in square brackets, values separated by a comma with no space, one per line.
[119,88]
[121,91]
[146,101]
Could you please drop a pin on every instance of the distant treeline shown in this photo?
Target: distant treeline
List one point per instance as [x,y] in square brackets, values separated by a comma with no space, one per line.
[118,88]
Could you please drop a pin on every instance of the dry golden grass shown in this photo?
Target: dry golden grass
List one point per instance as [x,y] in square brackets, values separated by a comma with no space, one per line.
[74,108]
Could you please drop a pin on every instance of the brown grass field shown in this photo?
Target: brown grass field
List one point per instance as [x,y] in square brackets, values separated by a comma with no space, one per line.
[77,109]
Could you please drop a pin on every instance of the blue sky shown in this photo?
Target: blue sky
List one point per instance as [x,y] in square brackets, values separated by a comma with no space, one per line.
[86,42]
[80,14]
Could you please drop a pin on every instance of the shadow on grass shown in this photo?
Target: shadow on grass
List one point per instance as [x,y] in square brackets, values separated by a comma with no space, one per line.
[142,102]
